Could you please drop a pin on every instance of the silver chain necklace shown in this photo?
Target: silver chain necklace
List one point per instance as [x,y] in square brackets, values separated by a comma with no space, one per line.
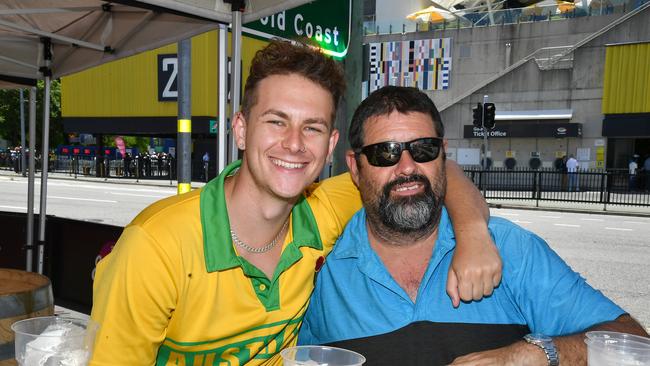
[260,250]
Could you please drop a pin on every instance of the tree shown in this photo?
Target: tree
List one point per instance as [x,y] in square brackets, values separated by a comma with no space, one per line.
[10,115]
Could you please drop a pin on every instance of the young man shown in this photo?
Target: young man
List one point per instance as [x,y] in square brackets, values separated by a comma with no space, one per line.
[224,274]
[382,289]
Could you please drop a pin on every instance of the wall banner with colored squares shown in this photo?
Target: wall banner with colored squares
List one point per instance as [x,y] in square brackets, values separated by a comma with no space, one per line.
[424,64]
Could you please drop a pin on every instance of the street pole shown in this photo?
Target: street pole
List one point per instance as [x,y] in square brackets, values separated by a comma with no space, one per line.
[23,157]
[485,135]
[184,145]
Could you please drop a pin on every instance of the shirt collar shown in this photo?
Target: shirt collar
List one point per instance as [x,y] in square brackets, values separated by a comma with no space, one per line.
[354,242]
[217,243]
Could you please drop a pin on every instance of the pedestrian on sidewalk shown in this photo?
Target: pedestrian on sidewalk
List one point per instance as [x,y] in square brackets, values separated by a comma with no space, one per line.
[632,168]
[646,172]
[127,165]
[572,166]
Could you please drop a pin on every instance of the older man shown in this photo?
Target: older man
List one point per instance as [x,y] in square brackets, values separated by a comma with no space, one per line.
[382,289]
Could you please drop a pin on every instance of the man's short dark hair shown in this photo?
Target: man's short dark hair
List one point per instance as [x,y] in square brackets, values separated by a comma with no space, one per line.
[385,100]
[285,58]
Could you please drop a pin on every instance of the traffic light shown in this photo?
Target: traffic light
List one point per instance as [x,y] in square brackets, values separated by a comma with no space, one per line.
[488,115]
[477,115]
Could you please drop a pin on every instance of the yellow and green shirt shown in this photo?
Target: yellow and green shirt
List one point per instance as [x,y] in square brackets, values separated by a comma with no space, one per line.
[175,292]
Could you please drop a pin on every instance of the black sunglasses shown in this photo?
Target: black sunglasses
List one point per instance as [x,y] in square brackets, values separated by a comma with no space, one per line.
[389,153]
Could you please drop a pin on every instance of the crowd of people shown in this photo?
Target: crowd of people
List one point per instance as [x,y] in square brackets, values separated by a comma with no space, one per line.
[147,164]
[11,158]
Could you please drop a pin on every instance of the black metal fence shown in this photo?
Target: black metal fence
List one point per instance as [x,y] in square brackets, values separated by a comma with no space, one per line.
[611,187]
[80,165]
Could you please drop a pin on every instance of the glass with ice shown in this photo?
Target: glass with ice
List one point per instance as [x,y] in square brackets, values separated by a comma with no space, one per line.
[54,341]
[320,356]
[617,349]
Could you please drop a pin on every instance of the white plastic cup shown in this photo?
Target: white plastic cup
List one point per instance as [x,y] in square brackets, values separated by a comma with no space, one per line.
[54,341]
[617,349]
[321,356]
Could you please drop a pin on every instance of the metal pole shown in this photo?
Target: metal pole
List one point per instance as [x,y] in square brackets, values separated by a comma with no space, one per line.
[23,157]
[485,135]
[235,71]
[42,214]
[184,116]
[30,180]
[222,144]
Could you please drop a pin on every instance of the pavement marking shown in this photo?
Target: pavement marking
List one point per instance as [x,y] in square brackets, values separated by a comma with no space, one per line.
[634,222]
[567,225]
[551,217]
[592,219]
[140,195]
[14,207]
[81,199]
[506,214]
[521,222]
[618,229]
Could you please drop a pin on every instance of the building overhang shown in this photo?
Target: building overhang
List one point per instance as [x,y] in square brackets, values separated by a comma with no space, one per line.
[531,115]
[512,129]
[626,125]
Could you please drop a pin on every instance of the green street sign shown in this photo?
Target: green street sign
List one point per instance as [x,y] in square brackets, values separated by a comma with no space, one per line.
[325,22]
[214,127]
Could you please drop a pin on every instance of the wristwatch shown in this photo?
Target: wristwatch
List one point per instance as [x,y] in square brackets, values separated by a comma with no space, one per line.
[546,344]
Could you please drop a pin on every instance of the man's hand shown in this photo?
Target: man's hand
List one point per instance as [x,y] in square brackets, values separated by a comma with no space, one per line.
[517,354]
[475,268]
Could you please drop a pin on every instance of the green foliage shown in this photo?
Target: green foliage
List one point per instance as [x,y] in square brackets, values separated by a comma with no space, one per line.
[10,115]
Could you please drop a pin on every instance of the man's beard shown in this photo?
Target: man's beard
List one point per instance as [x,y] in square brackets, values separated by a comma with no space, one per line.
[407,218]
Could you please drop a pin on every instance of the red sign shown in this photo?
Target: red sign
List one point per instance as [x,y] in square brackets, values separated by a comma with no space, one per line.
[65,150]
[87,151]
[107,152]
[75,151]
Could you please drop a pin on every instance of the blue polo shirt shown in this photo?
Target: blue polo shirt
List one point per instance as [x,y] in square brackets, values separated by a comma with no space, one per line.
[357,305]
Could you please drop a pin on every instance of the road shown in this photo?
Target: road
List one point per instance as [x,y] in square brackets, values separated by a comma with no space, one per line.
[115,204]
[611,252]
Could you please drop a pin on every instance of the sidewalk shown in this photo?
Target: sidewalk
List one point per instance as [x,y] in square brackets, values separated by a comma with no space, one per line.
[565,206]
[574,207]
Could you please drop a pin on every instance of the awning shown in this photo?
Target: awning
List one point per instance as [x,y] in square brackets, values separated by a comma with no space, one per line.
[543,114]
[86,33]
[538,130]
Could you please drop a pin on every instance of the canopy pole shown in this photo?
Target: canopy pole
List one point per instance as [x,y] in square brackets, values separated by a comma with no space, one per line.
[237,7]
[222,142]
[23,157]
[183,155]
[42,214]
[30,180]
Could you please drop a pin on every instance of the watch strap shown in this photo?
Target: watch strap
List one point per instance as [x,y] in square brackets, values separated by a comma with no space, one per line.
[547,345]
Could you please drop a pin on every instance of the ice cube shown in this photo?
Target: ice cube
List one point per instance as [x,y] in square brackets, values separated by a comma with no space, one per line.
[60,344]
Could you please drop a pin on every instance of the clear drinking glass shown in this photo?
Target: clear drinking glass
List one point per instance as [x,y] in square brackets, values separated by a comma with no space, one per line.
[54,341]
[321,356]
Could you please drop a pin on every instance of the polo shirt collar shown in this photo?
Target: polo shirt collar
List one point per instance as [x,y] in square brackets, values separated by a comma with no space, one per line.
[217,243]
[354,242]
